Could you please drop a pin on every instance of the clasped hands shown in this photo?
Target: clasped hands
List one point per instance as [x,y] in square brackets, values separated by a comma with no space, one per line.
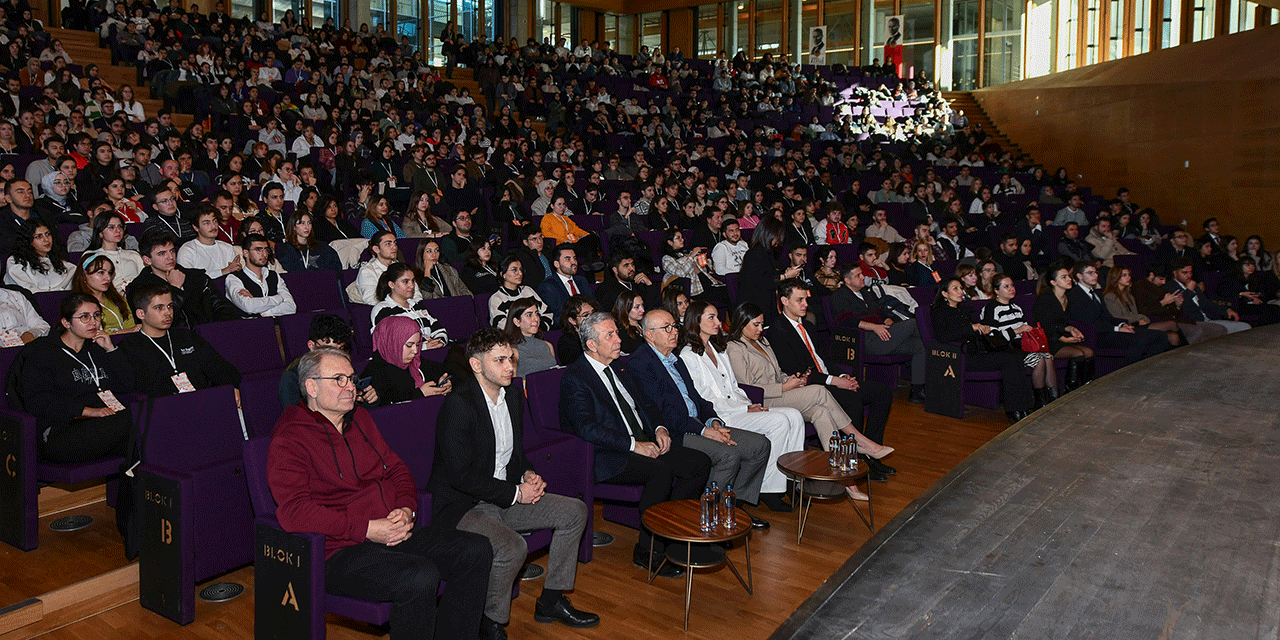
[393,529]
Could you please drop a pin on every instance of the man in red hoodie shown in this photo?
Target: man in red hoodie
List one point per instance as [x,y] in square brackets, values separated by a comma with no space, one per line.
[331,472]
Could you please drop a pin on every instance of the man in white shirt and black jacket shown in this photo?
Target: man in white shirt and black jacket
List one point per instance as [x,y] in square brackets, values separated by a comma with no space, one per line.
[166,361]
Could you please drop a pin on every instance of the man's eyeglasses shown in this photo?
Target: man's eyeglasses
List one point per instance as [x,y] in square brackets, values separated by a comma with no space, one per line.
[665,328]
[342,380]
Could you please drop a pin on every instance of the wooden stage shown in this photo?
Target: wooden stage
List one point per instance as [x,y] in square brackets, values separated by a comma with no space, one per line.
[785,575]
[1139,507]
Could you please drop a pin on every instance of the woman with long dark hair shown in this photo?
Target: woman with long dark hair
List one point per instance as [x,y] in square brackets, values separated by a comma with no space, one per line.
[761,272]
[301,251]
[397,292]
[628,311]
[952,324]
[439,279]
[38,263]
[108,238]
[480,267]
[1065,341]
[524,325]
[575,310]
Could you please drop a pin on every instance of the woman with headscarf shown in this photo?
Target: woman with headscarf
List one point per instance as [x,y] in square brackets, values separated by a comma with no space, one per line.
[54,205]
[397,371]
[546,190]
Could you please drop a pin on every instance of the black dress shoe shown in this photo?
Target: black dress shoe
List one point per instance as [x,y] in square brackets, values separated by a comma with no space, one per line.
[759,524]
[876,476]
[640,558]
[916,396]
[775,502]
[563,611]
[1016,416]
[881,467]
[490,630]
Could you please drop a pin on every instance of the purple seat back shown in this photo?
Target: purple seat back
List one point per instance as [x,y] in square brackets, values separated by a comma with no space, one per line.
[481,310]
[362,327]
[410,430]
[295,329]
[543,391]
[255,471]
[457,314]
[49,306]
[315,290]
[174,442]
[260,402]
[250,345]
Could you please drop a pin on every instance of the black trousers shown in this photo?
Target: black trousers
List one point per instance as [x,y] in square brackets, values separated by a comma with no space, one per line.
[1142,343]
[86,439]
[1014,381]
[678,474]
[872,395]
[409,574]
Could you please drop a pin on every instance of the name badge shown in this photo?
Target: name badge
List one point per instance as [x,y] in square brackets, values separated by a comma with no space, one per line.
[10,338]
[182,383]
[109,399]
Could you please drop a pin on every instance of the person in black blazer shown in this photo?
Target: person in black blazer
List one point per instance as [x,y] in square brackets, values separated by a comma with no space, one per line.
[799,353]
[760,274]
[953,324]
[1196,306]
[624,277]
[557,289]
[738,457]
[854,304]
[1084,304]
[631,444]
[471,493]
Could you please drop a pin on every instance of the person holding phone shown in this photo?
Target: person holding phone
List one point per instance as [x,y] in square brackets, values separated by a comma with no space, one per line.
[398,371]
[332,332]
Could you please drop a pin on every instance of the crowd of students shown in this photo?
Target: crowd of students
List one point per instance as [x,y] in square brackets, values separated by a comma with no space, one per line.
[700,242]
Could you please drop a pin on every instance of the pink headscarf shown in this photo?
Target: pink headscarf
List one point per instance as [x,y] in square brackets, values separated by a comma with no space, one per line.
[388,341]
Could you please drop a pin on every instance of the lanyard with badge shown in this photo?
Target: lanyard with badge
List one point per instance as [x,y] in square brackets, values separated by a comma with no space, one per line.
[179,378]
[105,395]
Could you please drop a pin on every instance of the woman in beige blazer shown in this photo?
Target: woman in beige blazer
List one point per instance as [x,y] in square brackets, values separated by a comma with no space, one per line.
[754,363]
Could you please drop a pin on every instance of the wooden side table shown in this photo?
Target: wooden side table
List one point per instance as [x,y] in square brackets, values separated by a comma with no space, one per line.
[680,520]
[812,465]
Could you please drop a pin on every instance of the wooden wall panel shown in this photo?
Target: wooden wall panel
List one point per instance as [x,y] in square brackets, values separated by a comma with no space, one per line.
[682,30]
[1139,121]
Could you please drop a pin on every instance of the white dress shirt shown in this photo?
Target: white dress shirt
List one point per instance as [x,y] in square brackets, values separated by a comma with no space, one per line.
[281,304]
[802,332]
[626,397]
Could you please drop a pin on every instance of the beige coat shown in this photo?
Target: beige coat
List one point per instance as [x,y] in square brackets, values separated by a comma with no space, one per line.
[759,368]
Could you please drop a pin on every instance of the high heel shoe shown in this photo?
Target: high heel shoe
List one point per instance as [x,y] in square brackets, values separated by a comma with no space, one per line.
[884,451]
[857,495]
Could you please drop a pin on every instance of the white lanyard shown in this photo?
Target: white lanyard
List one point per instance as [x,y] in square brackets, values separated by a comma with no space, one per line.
[168,355]
[172,228]
[113,312]
[92,367]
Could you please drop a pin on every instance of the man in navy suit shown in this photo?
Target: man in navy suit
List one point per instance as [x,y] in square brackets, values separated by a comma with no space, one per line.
[602,404]
[1084,304]
[1196,306]
[482,482]
[564,281]
[738,457]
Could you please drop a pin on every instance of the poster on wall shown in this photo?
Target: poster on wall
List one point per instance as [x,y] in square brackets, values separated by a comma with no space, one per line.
[893,43]
[817,45]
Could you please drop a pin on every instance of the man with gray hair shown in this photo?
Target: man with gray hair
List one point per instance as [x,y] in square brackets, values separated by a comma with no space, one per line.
[602,403]
[331,472]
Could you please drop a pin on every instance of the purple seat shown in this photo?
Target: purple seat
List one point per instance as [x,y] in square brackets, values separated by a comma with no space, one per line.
[457,314]
[311,560]
[210,511]
[315,290]
[294,331]
[543,392]
[345,278]
[250,345]
[48,305]
[362,327]
[260,402]
[481,308]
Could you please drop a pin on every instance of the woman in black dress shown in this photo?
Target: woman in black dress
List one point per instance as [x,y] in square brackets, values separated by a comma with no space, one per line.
[759,277]
[1065,341]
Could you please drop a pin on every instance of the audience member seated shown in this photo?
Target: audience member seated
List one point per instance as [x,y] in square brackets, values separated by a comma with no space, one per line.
[1105,244]
[72,382]
[376,220]
[1085,305]
[1121,304]
[38,262]
[606,406]
[195,299]
[524,331]
[326,331]
[624,277]
[94,277]
[168,218]
[564,282]
[482,482]
[257,290]
[891,322]
[793,339]
[703,355]
[920,271]
[166,360]
[397,371]
[1008,322]
[511,290]
[1196,306]
[480,268]
[453,245]
[557,226]
[373,549]
[398,293]
[628,313]
[952,324]
[1052,314]
[439,279]
[383,250]
[575,310]
[1252,290]
[20,323]
[301,249]
[727,255]
[207,253]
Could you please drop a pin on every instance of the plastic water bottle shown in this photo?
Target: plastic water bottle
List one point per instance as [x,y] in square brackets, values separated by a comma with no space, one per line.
[844,454]
[833,450]
[708,508]
[729,519]
[851,454]
[715,506]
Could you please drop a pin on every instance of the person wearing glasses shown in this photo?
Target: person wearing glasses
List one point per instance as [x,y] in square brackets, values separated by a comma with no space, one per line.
[168,218]
[71,383]
[330,471]
[167,360]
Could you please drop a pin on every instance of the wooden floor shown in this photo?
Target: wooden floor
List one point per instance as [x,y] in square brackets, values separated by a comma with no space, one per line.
[785,574]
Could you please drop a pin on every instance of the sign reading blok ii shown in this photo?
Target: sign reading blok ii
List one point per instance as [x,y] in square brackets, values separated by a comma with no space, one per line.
[943,370]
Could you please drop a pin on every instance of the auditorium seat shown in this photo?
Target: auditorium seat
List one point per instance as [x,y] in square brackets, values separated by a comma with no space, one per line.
[980,388]
[251,345]
[457,314]
[315,290]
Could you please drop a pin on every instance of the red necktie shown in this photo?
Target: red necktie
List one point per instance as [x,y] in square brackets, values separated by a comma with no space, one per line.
[808,345]
[573,288]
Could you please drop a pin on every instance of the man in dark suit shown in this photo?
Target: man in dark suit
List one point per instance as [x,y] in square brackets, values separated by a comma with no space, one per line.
[564,281]
[626,278]
[482,482]
[1196,306]
[738,457]
[855,304]
[604,405]
[1178,246]
[535,263]
[1084,304]
[1029,228]
[794,341]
